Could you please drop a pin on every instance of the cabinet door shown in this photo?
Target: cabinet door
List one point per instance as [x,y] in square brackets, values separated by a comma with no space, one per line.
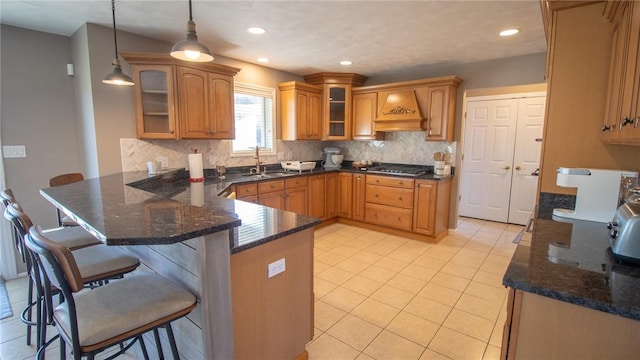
[302,114]
[155,102]
[314,117]
[365,107]
[439,125]
[193,95]
[273,200]
[345,198]
[296,200]
[331,209]
[220,122]
[617,76]
[424,207]
[317,193]
[359,185]
[337,112]
[634,61]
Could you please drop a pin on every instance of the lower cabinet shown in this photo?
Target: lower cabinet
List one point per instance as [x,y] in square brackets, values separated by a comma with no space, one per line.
[271,194]
[331,196]
[295,195]
[359,186]
[247,192]
[431,206]
[389,201]
[317,186]
[345,200]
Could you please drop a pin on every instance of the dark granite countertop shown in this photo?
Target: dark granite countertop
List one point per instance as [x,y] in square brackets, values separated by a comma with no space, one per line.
[570,260]
[162,209]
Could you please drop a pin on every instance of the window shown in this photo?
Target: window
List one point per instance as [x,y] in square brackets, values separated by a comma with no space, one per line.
[254,108]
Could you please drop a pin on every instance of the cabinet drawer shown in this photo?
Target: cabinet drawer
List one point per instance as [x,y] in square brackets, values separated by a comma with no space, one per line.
[246,190]
[296,182]
[390,181]
[269,186]
[388,216]
[385,195]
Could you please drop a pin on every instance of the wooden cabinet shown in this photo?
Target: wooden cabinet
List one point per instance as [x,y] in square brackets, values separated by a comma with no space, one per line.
[622,115]
[331,199]
[336,102]
[440,113]
[389,201]
[359,187]
[431,207]
[206,105]
[271,194]
[345,198]
[180,100]
[365,108]
[317,196]
[155,110]
[295,195]
[300,111]
[247,192]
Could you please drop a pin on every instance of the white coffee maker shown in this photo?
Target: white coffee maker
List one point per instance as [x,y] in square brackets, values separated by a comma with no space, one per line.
[333,158]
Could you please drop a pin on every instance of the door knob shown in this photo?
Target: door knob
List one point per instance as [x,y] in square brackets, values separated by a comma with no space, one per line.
[507,167]
[518,167]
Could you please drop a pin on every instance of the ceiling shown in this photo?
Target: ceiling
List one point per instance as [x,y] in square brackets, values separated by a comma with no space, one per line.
[379,37]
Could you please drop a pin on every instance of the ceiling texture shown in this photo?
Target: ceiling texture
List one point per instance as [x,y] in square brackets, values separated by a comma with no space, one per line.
[303,37]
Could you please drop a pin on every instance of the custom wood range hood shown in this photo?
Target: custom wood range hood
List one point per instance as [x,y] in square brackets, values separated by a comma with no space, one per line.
[399,111]
[419,105]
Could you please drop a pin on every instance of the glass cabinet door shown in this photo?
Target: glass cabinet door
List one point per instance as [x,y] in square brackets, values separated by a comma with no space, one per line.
[155,102]
[337,111]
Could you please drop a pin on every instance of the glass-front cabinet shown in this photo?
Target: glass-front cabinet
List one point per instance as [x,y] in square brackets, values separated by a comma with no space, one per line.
[336,104]
[155,117]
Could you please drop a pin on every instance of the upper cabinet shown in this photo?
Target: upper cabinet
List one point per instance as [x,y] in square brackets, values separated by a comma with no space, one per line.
[181,100]
[300,111]
[420,105]
[622,115]
[336,102]
[365,109]
[155,113]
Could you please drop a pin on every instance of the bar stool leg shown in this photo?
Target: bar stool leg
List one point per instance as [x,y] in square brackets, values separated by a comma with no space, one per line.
[156,337]
[172,342]
[143,347]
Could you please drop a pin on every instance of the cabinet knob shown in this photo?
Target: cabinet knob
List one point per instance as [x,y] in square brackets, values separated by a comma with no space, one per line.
[626,121]
[606,128]
[400,198]
[171,131]
[518,167]
[401,183]
[506,167]
[376,195]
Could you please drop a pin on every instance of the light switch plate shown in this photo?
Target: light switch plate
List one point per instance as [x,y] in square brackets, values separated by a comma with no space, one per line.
[276,268]
[14,151]
[164,162]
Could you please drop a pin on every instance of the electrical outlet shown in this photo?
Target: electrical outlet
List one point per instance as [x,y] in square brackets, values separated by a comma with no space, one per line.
[164,162]
[276,268]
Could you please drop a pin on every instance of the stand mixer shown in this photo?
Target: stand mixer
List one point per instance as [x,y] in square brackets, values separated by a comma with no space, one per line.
[333,158]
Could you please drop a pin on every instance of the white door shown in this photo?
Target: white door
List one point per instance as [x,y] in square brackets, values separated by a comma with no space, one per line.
[489,138]
[502,143]
[526,159]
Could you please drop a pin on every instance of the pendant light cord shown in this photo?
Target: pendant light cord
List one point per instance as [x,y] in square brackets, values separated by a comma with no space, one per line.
[190,17]
[115,39]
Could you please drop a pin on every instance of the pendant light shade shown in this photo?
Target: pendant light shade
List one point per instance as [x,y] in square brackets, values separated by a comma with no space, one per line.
[116,77]
[190,49]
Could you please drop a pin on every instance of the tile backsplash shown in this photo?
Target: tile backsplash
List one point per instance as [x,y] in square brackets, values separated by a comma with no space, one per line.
[398,147]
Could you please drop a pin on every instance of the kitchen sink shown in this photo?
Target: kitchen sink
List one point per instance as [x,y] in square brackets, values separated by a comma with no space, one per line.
[267,175]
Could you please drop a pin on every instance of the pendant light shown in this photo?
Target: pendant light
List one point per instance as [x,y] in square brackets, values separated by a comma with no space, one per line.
[116,77]
[190,49]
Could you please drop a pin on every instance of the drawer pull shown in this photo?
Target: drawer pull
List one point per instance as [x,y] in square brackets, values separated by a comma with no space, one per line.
[401,183]
[376,195]
[400,198]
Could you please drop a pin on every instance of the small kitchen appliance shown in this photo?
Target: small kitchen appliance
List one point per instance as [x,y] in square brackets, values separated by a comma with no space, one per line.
[598,195]
[332,158]
[624,233]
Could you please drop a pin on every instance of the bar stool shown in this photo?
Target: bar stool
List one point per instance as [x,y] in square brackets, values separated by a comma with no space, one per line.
[95,320]
[97,264]
[60,180]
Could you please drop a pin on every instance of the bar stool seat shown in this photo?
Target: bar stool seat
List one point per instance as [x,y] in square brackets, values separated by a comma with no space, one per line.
[102,262]
[72,237]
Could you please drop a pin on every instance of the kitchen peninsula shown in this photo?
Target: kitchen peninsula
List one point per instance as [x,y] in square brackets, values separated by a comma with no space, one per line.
[217,248]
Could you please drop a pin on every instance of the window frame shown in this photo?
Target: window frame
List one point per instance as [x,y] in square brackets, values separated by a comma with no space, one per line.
[256,90]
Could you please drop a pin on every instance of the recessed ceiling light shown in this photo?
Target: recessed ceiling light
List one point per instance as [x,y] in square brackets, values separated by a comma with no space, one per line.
[509,32]
[256,30]
[263,60]
[345,62]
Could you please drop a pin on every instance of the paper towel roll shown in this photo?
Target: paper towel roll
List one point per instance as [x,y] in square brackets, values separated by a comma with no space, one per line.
[197,193]
[195,167]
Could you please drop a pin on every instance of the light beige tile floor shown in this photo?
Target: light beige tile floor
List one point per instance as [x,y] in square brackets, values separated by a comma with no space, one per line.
[381,297]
